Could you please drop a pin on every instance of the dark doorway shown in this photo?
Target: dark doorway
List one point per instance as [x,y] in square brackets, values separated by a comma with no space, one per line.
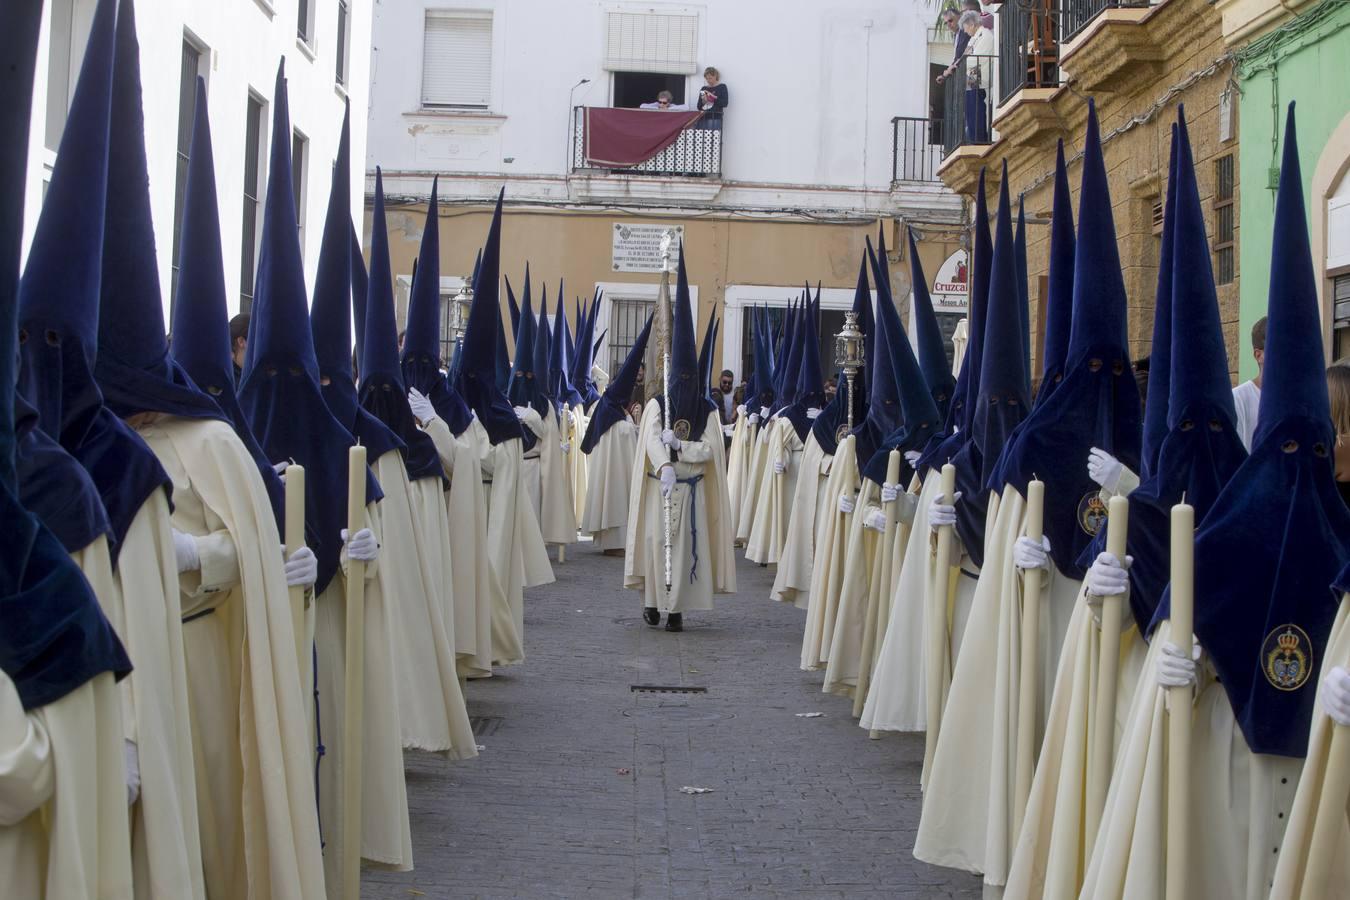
[831,323]
[632,89]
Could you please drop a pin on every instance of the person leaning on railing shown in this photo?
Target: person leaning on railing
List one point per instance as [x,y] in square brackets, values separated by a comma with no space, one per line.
[979,50]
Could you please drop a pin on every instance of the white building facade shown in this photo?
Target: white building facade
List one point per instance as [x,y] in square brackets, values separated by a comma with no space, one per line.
[235,45]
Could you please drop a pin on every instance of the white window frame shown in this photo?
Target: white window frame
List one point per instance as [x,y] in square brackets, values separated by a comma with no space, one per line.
[739,296]
[628,290]
[495,54]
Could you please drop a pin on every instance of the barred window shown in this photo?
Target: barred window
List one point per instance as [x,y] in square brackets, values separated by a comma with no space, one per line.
[1225,220]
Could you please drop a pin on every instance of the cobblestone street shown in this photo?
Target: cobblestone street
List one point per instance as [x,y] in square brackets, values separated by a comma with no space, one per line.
[578,789]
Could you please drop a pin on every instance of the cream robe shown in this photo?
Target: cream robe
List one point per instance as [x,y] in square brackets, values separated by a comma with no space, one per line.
[610,483]
[63,795]
[860,558]
[255,789]
[756,461]
[417,586]
[738,457]
[1289,871]
[545,477]
[386,835]
[768,532]
[165,844]
[579,463]
[473,591]
[644,563]
[966,821]
[1240,801]
[832,529]
[792,583]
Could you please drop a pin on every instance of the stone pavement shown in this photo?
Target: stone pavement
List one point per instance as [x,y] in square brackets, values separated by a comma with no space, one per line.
[578,790]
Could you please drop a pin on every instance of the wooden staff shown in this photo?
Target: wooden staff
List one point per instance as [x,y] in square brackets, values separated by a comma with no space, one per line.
[1027,694]
[937,617]
[1179,704]
[354,709]
[1103,737]
[295,539]
[878,594]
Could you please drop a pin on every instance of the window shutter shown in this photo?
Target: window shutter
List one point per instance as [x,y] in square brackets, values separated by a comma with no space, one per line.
[651,42]
[457,59]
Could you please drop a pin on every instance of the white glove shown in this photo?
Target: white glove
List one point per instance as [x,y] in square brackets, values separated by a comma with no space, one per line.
[132,757]
[1336,695]
[846,503]
[565,446]
[764,412]
[421,406]
[812,412]
[1174,669]
[875,520]
[1028,554]
[281,467]
[940,513]
[779,467]
[520,412]
[361,546]
[912,457]
[1107,577]
[889,492]
[741,410]
[185,551]
[667,480]
[670,440]
[754,418]
[1104,469]
[302,569]
[728,430]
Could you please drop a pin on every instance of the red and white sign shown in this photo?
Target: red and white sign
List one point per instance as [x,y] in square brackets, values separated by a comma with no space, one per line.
[951,287]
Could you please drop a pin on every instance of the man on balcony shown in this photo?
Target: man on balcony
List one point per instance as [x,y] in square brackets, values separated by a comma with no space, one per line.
[978,57]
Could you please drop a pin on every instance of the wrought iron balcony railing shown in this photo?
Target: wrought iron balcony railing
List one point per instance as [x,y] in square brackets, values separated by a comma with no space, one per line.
[916,148]
[1075,15]
[1028,53]
[968,94]
[696,152]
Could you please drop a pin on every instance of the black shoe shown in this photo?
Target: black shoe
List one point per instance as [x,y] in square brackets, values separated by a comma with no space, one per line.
[651,615]
[674,622]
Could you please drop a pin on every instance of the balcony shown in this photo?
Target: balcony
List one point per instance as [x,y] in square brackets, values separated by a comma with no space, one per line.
[1028,46]
[1075,15]
[696,153]
[968,96]
[916,149]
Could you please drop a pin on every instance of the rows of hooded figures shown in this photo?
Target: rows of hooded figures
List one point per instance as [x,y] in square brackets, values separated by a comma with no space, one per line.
[1119,625]
[233,596]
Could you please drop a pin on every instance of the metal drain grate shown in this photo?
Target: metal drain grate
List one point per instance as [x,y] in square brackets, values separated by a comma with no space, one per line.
[666,689]
[485,725]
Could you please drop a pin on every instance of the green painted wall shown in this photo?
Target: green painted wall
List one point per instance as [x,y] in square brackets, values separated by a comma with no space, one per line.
[1307,61]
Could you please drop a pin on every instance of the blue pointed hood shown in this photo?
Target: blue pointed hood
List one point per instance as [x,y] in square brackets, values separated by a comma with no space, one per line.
[543,353]
[512,306]
[201,318]
[1160,378]
[688,400]
[1269,618]
[382,391]
[1024,305]
[421,358]
[832,423]
[279,391]
[1059,289]
[478,376]
[810,376]
[763,362]
[612,407]
[585,358]
[787,390]
[525,387]
[59,309]
[562,361]
[705,352]
[884,414]
[937,370]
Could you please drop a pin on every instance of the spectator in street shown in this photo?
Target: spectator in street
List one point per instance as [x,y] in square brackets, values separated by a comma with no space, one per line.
[665,102]
[831,387]
[238,344]
[639,395]
[727,397]
[978,56]
[1247,396]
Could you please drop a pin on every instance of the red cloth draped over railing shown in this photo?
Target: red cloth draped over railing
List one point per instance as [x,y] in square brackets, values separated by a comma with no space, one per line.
[619,138]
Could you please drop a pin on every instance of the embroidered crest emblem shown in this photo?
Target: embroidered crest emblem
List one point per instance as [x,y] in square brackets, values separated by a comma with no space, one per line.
[681,429]
[1287,658]
[840,433]
[1091,513]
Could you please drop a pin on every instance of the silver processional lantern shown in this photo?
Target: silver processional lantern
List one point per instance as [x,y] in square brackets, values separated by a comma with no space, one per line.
[849,355]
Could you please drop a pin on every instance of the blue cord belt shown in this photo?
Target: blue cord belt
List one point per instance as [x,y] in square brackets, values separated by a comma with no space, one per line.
[693,521]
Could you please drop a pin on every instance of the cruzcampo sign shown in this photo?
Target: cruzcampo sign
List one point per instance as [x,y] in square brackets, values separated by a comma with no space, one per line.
[951,287]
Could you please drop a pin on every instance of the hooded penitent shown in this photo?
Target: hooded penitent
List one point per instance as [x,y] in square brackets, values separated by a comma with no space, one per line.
[1097,403]
[382,391]
[58,321]
[1265,621]
[613,405]
[832,423]
[543,355]
[945,445]
[564,351]
[201,327]
[1001,402]
[280,391]
[785,378]
[478,376]
[585,358]
[705,356]
[810,379]
[527,387]
[689,403]
[53,636]
[421,341]
[937,370]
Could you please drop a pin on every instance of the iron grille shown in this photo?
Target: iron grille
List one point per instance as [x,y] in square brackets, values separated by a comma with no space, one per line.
[1075,15]
[696,152]
[1028,50]
[916,148]
[1225,220]
[627,315]
[969,101]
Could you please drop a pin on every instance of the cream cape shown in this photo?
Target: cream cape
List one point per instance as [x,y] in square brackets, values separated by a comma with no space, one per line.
[605,517]
[832,528]
[792,583]
[473,591]
[756,461]
[386,835]
[737,459]
[768,531]
[255,789]
[63,795]
[578,463]
[416,582]
[545,474]
[706,502]
[166,851]
[859,571]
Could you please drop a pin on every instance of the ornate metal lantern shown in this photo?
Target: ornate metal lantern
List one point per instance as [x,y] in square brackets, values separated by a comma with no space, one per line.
[849,355]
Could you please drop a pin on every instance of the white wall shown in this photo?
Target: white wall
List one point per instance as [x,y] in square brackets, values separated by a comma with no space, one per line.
[813,85]
[245,40]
